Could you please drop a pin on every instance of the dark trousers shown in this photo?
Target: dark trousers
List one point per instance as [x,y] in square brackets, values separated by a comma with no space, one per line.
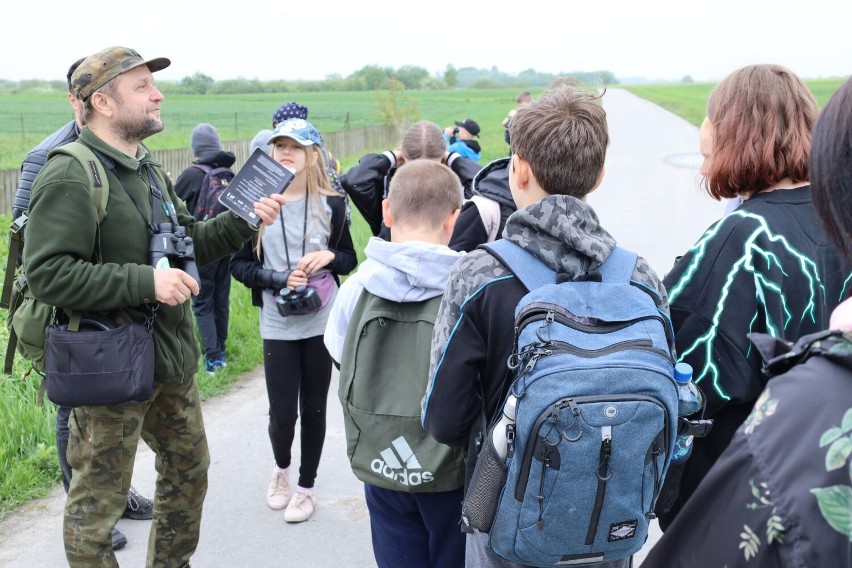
[416,530]
[298,374]
[211,307]
[62,431]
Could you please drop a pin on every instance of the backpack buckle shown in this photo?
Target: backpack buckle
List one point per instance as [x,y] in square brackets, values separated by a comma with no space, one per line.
[18,225]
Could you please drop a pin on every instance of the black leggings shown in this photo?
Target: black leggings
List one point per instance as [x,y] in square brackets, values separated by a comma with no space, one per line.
[297,371]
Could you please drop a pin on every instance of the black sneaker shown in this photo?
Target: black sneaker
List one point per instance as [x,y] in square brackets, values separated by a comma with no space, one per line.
[119,541]
[138,508]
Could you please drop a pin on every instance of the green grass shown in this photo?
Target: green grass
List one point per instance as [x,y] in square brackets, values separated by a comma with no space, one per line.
[25,119]
[689,100]
[29,466]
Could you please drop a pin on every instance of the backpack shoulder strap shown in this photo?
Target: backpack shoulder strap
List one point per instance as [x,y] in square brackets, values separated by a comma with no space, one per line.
[526,267]
[489,212]
[95,172]
[618,266]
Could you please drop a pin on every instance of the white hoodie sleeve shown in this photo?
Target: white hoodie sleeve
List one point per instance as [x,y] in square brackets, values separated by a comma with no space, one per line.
[338,320]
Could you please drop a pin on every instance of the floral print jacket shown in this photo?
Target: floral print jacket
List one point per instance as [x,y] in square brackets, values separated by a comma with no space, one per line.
[781,494]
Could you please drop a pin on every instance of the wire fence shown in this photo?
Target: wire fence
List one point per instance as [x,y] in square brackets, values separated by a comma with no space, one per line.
[345,145]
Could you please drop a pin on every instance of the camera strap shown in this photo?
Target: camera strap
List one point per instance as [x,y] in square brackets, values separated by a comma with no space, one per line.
[159,206]
[304,235]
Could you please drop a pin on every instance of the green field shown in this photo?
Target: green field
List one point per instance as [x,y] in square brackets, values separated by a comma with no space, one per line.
[689,100]
[26,119]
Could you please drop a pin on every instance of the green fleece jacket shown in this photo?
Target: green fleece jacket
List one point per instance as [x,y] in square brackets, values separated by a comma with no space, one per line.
[62,240]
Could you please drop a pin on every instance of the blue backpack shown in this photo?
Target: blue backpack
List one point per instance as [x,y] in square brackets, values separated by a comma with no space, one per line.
[595,420]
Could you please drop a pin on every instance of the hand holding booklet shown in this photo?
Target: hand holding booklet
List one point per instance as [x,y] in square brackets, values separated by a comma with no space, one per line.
[260,176]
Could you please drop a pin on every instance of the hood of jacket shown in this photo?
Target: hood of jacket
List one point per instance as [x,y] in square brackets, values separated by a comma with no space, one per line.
[406,272]
[220,159]
[473,145]
[492,181]
[562,231]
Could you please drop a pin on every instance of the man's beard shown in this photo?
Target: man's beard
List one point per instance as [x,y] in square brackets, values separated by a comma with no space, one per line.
[138,130]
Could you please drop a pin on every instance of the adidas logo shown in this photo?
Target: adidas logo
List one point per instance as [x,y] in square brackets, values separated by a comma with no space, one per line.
[397,462]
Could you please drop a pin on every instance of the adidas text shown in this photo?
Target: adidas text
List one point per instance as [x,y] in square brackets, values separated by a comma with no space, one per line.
[401,465]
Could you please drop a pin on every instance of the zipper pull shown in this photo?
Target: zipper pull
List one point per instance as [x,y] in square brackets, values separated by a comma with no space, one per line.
[548,321]
[604,472]
[540,497]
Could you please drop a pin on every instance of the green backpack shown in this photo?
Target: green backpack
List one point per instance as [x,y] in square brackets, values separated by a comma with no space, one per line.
[28,318]
[383,377]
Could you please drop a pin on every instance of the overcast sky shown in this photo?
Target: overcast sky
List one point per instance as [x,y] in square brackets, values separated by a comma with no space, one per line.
[259,39]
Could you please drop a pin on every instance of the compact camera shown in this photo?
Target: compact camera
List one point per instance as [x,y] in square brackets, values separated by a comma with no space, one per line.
[171,244]
[303,300]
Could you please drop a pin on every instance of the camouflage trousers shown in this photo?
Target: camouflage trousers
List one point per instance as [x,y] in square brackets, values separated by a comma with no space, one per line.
[101,452]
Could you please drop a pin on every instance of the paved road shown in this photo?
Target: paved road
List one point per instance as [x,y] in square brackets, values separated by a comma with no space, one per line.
[649,201]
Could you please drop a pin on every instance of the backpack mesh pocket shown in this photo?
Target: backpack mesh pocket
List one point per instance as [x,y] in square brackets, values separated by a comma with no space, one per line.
[486,484]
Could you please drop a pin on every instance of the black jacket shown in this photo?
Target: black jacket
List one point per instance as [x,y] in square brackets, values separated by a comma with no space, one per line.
[245,264]
[491,182]
[35,160]
[189,181]
[768,268]
[367,184]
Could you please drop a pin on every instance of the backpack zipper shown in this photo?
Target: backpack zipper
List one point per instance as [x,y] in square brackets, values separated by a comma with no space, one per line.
[630,344]
[552,414]
[561,315]
[603,474]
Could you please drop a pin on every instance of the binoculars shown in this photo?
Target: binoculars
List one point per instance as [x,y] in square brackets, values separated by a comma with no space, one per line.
[170,247]
[303,300]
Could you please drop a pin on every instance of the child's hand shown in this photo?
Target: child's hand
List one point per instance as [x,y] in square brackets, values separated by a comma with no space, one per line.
[313,261]
[297,278]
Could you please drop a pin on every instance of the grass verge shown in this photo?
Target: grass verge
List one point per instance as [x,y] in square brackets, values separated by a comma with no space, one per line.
[29,466]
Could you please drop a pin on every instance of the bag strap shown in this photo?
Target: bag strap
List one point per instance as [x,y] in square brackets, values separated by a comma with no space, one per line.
[526,267]
[95,173]
[489,212]
[12,259]
[99,192]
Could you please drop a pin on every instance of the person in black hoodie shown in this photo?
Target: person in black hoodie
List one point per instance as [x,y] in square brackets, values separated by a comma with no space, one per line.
[367,183]
[484,215]
[212,305]
[767,267]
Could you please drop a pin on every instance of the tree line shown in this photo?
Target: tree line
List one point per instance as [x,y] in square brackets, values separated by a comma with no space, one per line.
[368,78]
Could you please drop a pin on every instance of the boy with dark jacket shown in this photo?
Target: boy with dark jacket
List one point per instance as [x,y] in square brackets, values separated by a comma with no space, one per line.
[559,143]
[212,305]
[367,183]
[484,215]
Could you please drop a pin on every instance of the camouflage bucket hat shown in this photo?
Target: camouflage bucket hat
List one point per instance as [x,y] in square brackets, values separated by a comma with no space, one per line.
[97,70]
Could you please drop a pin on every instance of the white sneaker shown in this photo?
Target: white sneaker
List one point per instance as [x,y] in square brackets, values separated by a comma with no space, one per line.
[300,508]
[278,491]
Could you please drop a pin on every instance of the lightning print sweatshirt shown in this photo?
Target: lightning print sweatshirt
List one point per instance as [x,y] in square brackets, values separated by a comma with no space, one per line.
[766,268]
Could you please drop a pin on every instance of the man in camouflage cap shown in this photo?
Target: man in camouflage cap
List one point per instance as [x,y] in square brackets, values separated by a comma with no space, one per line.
[122,108]
[559,147]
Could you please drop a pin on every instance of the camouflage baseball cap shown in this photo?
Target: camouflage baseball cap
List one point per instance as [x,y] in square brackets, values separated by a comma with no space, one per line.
[97,70]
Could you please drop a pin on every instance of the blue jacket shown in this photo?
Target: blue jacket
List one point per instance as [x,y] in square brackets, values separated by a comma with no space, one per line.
[465,148]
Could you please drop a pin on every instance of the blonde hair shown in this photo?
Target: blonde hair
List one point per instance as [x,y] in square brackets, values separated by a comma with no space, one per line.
[317,185]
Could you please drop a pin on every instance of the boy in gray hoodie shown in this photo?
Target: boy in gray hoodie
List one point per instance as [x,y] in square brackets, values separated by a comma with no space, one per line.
[407,523]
